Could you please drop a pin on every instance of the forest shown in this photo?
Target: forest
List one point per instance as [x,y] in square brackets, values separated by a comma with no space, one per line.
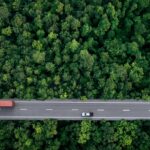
[84,49]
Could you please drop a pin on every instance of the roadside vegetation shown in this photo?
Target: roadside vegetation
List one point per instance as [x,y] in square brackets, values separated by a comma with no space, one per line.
[82,49]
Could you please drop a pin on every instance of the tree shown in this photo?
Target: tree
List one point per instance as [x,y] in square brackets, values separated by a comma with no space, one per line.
[86,60]
[39,57]
[84,134]
[7,31]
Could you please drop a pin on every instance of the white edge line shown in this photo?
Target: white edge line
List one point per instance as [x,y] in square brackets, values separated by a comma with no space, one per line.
[90,102]
[73,117]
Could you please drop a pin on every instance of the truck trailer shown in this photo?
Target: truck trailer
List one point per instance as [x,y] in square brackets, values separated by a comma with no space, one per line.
[7,103]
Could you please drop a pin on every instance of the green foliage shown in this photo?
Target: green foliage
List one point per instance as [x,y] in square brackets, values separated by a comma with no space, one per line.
[75,49]
[103,26]
[74,45]
[52,36]
[84,134]
[86,30]
[50,67]
[39,57]
[71,135]
[86,60]
[4,12]
[7,31]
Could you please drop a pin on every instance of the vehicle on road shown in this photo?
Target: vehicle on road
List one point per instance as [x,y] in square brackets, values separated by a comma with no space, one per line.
[7,103]
[87,114]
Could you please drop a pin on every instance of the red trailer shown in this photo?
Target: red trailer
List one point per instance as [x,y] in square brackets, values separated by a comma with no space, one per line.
[7,103]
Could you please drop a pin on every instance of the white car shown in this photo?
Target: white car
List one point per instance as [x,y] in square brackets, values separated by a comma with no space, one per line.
[87,114]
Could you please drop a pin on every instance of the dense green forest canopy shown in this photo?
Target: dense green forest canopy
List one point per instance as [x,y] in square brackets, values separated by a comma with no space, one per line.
[75,49]
[68,135]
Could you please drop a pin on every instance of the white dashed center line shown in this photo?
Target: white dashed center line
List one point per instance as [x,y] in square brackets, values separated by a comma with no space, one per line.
[100,109]
[125,109]
[48,109]
[23,109]
[75,109]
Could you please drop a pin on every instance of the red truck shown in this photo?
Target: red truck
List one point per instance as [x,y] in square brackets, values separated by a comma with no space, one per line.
[7,103]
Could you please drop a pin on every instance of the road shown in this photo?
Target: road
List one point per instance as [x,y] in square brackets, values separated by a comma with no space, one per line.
[71,110]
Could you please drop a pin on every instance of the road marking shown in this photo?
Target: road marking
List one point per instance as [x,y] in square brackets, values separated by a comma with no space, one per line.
[23,109]
[86,102]
[50,117]
[125,109]
[100,109]
[48,109]
[75,109]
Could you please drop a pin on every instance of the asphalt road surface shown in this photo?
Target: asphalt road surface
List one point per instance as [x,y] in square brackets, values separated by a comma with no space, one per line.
[71,110]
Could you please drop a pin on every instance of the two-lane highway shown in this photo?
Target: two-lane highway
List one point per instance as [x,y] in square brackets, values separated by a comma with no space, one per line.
[72,109]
